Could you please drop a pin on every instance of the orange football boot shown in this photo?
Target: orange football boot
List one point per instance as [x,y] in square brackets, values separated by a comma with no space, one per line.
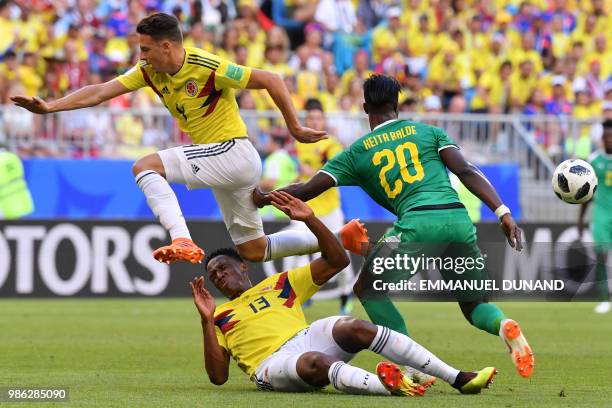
[181,249]
[394,380]
[354,237]
[521,353]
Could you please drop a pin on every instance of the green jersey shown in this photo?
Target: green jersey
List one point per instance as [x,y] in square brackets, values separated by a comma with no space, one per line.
[602,164]
[398,164]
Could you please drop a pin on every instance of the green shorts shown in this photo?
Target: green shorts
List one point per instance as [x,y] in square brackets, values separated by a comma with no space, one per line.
[450,225]
[446,237]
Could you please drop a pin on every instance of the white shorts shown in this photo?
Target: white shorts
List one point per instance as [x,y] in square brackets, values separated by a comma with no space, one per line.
[232,170]
[278,372]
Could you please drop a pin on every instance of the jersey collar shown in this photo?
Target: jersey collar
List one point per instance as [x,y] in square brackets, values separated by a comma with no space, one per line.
[385,123]
[176,74]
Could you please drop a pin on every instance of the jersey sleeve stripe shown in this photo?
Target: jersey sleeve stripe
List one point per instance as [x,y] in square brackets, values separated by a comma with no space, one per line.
[207,63]
[330,175]
[193,58]
[196,56]
[224,321]
[447,146]
[203,65]
[284,285]
[150,83]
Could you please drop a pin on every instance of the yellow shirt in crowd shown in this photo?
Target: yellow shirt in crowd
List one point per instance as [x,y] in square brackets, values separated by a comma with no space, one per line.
[315,155]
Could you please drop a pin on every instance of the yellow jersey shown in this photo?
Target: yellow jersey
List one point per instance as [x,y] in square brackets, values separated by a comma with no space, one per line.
[384,39]
[29,78]
[522,88]
[519,55]
[256,323]
[450,76]
[200,95]
[315,155]
[8,34]
[424,44]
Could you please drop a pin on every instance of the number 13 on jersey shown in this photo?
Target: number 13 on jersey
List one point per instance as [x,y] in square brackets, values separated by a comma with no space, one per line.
[398,156]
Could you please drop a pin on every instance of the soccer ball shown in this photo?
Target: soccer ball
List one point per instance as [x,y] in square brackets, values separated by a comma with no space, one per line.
[574,181]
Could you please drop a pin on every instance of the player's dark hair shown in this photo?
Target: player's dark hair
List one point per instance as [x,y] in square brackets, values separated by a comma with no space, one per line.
[607,124]
[160,26]
[381,93]
[231,252]
[313,104]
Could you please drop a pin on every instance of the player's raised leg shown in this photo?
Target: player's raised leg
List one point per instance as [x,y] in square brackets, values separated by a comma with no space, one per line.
[520,351]
[353,335]
[150,176]
[233,175]
[353,236]
[490,318]
[380,310]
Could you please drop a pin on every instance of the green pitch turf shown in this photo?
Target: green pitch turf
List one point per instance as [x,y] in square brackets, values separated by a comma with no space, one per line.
[148,353]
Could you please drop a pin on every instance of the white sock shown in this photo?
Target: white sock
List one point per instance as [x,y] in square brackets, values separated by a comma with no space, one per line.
[163,203]
[293,242]
[403,350]
[354,380]
[290,242]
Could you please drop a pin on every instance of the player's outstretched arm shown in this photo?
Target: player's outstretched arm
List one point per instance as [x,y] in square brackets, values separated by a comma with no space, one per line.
[478,184]
[333,257]
[85,97]
[275,86]
[304,191]
[216,359]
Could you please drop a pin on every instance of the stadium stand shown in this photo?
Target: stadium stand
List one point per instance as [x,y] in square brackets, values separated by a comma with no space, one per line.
[520,81]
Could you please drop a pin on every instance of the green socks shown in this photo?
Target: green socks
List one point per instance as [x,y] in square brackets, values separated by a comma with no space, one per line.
[384,313]
[487,317]
[601,282]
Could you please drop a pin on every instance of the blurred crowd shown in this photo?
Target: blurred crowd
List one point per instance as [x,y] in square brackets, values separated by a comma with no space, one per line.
[484,56]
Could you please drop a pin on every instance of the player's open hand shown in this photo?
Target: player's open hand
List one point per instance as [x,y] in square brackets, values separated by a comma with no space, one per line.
[295,208]
[202,298]
[33,104]
[512,231]
[308,135]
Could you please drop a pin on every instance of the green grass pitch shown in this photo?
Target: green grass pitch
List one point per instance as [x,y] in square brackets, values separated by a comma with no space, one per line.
[148,353]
